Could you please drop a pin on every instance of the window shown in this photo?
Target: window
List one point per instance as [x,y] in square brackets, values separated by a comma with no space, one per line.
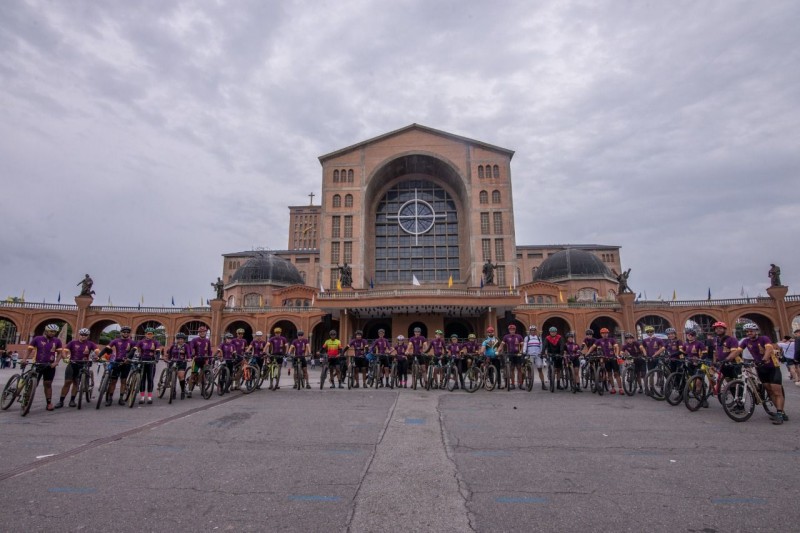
[303,275]
[348,252]
[348,200]
[498,223]
[334,277]
[348,227]
[335,253]
[587,294]
[484,197]
[336,176]
[534,256]
[495,197]
[252,300]
[495,171]
[499,250]
[486,245]
[335,226]
[337,200]
[480,171]
[501,276]
[485,223]
[350,175]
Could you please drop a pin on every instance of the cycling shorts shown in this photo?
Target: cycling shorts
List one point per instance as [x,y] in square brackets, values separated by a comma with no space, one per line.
[770,375]
[180,365]
[360,362]
[73,370]
[558,361]
[333,362]
[278,358]
[303,362]
[199,363]
[46,371]
[384,359]
[120,370]
[612,365]
[515,360]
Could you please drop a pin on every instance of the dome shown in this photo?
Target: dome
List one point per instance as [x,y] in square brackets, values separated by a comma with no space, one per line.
[267,269]
[572,263]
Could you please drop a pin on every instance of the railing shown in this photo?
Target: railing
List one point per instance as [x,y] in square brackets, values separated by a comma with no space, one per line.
[396,293]
[256,309]
[157,310]
[32,305]
[793,298]
[704,303]
[570,305]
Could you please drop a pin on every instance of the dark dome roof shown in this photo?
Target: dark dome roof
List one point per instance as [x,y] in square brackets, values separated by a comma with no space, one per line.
[267,269]
[572,263]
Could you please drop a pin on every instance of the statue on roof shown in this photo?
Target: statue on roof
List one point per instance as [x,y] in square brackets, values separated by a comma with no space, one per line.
[219,287]
[774,275]
[622,279]
[86,286]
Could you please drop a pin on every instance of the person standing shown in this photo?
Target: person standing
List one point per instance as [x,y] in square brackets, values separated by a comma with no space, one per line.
[381,347]
[14,359]
[511,346]
[276,347]
[301,348]
[119,365]
[149,349]
[532,347]
[79,351]
[48,353]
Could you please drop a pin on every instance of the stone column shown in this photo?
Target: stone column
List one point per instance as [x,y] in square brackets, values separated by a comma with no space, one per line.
[83,303]
[216,320]
[344,326]
[626,301]
[778,294]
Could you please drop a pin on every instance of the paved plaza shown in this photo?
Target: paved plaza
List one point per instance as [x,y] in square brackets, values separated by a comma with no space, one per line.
[383,460]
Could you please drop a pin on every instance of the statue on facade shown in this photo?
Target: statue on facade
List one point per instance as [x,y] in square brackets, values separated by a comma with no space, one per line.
[488,272]
[86,286]
[622,279]
[219,288]
[774,275]
[345,275]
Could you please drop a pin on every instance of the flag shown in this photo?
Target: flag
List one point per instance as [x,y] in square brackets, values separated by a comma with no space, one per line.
[674,295]
[260,301]
[594,296]
[639,297]
[561,297]
[109,300]
[339,285]
[450,282]
[59,296]
[414,280]
[141,300]
[321,288]
[371,284]
[173,301]
[659,297]
[526,296]
[313,297]
[742,293]
[481,282]
[190,304]
[645,295]
[709,293]
[208,302]
[23,295]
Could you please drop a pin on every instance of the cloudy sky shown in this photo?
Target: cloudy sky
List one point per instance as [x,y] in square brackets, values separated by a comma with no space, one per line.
[141,140]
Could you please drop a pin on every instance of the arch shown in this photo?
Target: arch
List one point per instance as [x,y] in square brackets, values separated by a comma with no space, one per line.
[336,176]
[336,201]
[104,330]
[161,330]
[763,322]
[459,326]
[372,326]
[233,325]
[605,321]
[795,324]
[191,327]
[495,196]
[350,176]
[319,333]
[348,200]
[560,323]
[420,325]
[8,332]
[39,328]
[701,323]
[480,172]
[288,329]
[483,197]
[495,171]
[659,323]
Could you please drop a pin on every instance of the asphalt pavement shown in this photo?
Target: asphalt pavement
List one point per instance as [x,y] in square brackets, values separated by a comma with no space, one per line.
[388,460]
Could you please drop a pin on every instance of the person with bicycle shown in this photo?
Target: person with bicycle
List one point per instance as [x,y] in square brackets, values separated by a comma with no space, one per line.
[258,349]
[417,345]
[227,351]
[454,354]
[78,351]
[469,349]
[511,346]
[359,345]
[276,349]
[400,351]
[693,349]
[653,347]
[489,348]
[200,347]
[633,349]
[118,365]
[572,350]
[148,350]
[608,348]
[301,348]
[438,346]
[673,347]
[767,367]
[724,344]
[532,348]
[553,347]
[48,353]
[333,347]
[381,347]
[180,352]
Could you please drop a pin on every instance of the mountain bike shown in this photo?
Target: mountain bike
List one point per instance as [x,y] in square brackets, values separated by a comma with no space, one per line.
[655,378]
[168,380]
[629,384]
[297,366]
[85,381]
[675,384]
[135,378]
[105,379]
[740,396]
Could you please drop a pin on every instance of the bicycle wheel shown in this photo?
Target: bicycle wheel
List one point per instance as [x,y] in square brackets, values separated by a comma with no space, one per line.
[586,376]
[694,393]
[414,374]
[491,378]
[322,376]
[655,384]
[163,381]
[429,378]
[82,385]
[472,379]
[222,380]
[28,392]
[208,384]
[249,379]
[10,392]
[767,403]
[172,379]
[550,378]
[527,377]
[103,390]
[738,401]
[673,388]
[507,375]
[451,378]
[599,379]
[89,385]
[393,375]
[629,380]
[133,387]
[350,375]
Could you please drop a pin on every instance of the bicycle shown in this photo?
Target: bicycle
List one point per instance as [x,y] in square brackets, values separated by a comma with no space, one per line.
[272,369]
[697,390]
[219,377]
[597,368]
[374,371]
[740,396]
[105,379]
[417,377]
[629,384]
[527,373]
[392,378]
[350,372]
[675,384]
[168,380]
[22,388]
[135,378]
[297,366]
[656,377]
[85,381]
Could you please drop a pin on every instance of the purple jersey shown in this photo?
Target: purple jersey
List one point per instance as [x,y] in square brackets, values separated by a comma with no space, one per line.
[673,348]
[80,350]
[259,347]
[634,349]
[573,349]
[277,345]
[724,345]
[179,352]
[438,347]
[239,346]
[359,346]
[416,343]
[300,347]
[401,348]
[147,349]
[121,347]
[513,342]
[758,349]
[652,345]
[694,348]
[471,347]
[454,349]
[605,347]
[588,342]
[227,349]
[46,348]
[381,346]
[201,347]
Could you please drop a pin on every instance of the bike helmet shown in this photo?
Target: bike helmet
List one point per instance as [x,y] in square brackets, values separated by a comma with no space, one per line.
[300,333]
[720,325]
[181,335]
[150,330]
[532,326]
[84,331]
[604,330]
[649,329]
[51,327]
[490,329]
[259,333]
[571,334]
[382,331]
[453,336]
[332,332]
[512,326]
[690,331]
[471,336]
[276,331]
[750,327]
[229,335]
[359,332]
[629,335]
[439,332]
[589,332]
[125,329]
[401,338]
[553,330]
[670,330]
[417,330]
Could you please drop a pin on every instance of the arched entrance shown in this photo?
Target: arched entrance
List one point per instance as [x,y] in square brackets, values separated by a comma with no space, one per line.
[702,324]
[8,332]
[320,332]
[191,328]
[604,322]
[419,325]
[236,324]
[764,324]
[288,329]
[557,322]
[39,329]
[161,331]
[104,331]
[372,326]
[660,324]
[459,326]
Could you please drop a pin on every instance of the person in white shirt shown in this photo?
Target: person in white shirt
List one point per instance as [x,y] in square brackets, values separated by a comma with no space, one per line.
[532,347]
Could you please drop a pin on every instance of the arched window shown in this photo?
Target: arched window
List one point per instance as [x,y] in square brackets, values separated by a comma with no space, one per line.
[336,176]
[495,171]
[231,301]
[348,200]
[587,294]
[484,197]
[337,200]
[350,175]
[495,197]
[480,171]
[251,300]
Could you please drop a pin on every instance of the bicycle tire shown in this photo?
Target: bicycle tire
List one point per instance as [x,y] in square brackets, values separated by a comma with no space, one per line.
[674,387]
[655,384]
[10,392]
[599,379]
[393,375]
[28,393]
[249,379]
[585,376]
[491,378]
[82,389]
[429,377]
[629,380]
[508,374]
[452,378]
[133,387]
[350,374]
[207,389]
[691,398]
[222,380]
[89,386]
[739,402]
[103,390]
[322,376]
[550,379]
[163,380]
[472,379]
[528,378]
[172,379]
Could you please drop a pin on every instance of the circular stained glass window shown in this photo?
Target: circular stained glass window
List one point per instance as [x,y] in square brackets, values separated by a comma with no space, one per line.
[416,216]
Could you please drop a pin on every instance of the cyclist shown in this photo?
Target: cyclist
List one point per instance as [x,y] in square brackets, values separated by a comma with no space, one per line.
[333,347]
[438,346]
[180,352]
[532,347]
[674,349]
[226,351]
[653,346]
[693,348]
[239,351]
[77,350]
[468,350]
[302,349]
[489,348]
[359,345]
[454,353]
[511,345]
[553,347]
[48,353]
[148,349]
[400,349]
[258,349]
[608,348]
[634,349]
[201,349]
[119,366]
[767,366]
[381,347]
[276,348]
[573,350]
[417,345]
